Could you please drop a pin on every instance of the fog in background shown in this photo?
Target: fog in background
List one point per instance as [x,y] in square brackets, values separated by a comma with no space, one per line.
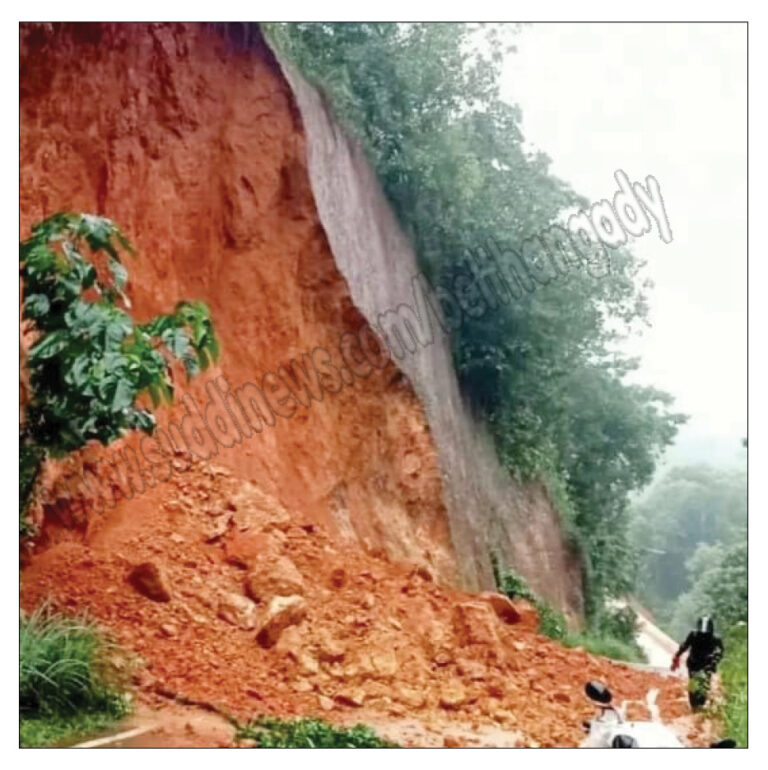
[668,100]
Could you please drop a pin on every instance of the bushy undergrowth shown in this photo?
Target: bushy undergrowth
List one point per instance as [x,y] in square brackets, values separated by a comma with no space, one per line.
[734,677]
[66,684]
[309,734]
[611,637]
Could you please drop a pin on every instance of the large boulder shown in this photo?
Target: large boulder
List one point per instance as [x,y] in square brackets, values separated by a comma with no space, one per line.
[237,610]
[283,611]
[452,694]
[529,615]
[150,581]
[384,662]
[246,549]
[475,623]
[275,576]
[502,605]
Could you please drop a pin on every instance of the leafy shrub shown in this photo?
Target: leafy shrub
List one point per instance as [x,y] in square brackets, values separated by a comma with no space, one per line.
[309,734]
[733,672]
[552,622]
[91,362]
[66,683]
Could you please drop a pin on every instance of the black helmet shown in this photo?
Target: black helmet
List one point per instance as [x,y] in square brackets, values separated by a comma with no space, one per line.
[598,692]
[623,742]
[704,625]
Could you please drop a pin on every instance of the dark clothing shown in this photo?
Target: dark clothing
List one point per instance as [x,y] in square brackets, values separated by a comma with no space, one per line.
[706,650]
[699,685]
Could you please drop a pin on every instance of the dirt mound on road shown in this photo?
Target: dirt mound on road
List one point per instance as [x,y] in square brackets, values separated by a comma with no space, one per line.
[360,638]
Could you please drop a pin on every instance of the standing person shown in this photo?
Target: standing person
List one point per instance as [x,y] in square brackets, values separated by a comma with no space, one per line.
[706,651]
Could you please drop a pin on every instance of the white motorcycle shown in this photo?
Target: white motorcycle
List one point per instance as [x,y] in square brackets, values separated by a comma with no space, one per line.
[611,729]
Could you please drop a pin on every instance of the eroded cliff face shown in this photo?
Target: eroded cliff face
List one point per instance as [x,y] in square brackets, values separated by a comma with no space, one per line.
[240,190]
[487,510]
[196,150]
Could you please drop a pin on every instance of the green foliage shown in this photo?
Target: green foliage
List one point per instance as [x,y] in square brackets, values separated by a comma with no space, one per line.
[733,672]
[683,529]
[718,578]
[607,646]
[91,361]
[66,684]
[309,734]
[613,637]
[688,507]
[424,99]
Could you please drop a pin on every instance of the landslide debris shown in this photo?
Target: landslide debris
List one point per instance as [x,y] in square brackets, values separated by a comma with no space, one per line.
[274,618]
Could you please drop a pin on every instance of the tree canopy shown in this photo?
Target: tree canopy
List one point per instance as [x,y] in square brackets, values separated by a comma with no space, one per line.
[690,531]
[543,370]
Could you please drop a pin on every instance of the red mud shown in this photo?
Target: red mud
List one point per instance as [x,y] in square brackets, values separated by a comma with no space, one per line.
[150,125]
[380,640]
[195,149]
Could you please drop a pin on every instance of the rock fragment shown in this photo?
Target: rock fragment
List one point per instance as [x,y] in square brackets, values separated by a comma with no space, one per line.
[237,610]
[283,611]
[274,577]
[150,581]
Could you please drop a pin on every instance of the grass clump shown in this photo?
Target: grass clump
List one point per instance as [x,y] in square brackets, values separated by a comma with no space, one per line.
[733,673]
[613,637]
[67,687]
[608,647]
[269,733]
[552,622]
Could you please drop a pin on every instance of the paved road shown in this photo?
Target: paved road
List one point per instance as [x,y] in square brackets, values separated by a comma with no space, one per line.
[657,646]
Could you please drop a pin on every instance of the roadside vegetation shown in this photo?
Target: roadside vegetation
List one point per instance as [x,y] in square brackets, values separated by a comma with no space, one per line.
[93,372]
[613,636]
[425,101]
[90,362]
[270,733]
[733,673]
[68,684]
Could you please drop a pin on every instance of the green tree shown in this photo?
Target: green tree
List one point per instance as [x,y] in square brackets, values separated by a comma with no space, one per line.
[91,361]
[679,527]
[717,575]
[450,155]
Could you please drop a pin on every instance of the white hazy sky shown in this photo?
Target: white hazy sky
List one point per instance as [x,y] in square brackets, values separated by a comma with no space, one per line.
[668,100]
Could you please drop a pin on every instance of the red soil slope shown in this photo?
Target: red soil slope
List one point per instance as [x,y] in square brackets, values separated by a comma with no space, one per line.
[195,150]
[372,641]
[197,153]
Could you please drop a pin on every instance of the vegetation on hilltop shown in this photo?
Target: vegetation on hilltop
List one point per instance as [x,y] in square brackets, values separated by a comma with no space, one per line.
[451,157]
